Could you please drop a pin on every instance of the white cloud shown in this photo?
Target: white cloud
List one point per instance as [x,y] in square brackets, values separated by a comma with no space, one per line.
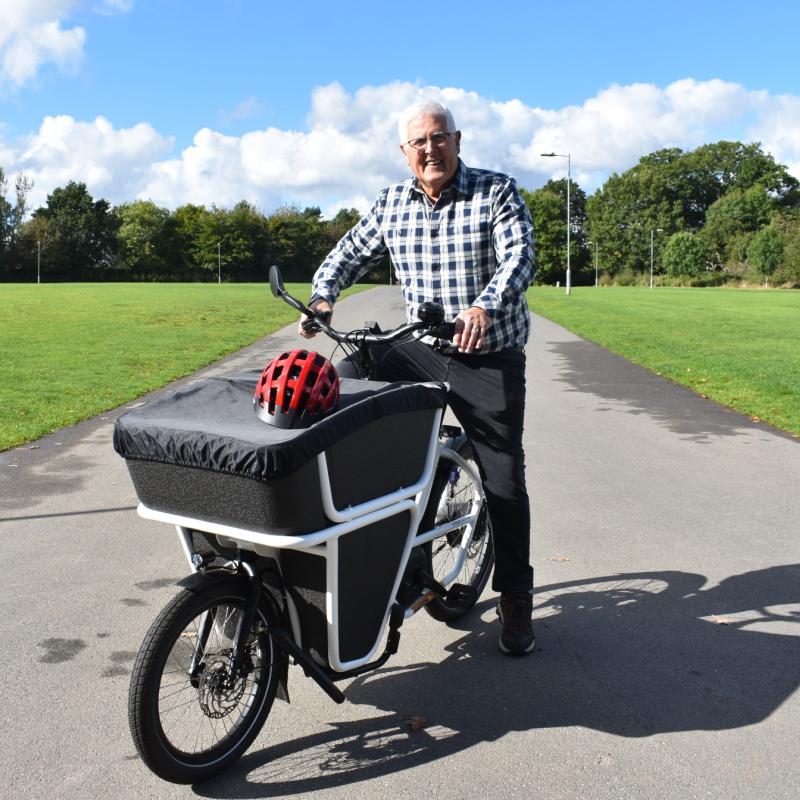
[109,7]
[778,130]
[348,150]
[33,34]
[114,163]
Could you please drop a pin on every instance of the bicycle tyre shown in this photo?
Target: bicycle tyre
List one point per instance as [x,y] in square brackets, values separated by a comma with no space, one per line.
[188,745]
[450,496]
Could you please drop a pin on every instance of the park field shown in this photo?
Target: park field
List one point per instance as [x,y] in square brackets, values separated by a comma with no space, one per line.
[70,351]
[738,347]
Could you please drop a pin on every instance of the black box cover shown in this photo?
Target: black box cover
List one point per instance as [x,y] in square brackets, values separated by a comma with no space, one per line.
[211,425]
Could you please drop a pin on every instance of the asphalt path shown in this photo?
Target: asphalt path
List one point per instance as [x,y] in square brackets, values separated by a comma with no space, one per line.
[668,611]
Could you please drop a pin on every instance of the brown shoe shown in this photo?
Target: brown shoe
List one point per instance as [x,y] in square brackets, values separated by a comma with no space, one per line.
[517,637]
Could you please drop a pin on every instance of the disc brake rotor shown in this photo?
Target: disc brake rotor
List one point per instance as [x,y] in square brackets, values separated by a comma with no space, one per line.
[217,693]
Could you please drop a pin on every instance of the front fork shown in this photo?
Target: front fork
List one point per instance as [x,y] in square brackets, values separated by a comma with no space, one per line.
[243,628]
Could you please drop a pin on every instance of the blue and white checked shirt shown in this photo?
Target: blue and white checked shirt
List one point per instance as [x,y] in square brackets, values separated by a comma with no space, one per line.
[474,247]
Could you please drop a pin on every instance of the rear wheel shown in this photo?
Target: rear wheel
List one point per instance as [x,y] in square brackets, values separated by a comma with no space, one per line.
[452,496]
[190,716]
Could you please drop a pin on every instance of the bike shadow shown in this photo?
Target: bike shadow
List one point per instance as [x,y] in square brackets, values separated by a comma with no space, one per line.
[634,654]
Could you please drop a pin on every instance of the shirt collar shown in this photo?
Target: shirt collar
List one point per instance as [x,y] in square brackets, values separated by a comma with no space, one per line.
[458,186]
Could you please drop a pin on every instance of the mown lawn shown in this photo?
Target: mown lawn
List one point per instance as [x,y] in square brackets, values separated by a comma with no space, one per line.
[738,347]
[69,351]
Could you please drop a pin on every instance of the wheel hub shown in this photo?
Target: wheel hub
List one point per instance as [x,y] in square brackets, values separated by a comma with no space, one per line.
[219,691]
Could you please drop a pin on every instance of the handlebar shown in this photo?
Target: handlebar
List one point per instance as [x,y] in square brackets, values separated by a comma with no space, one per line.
[433,327]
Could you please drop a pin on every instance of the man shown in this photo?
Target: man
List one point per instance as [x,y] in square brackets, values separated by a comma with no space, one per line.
[461,237]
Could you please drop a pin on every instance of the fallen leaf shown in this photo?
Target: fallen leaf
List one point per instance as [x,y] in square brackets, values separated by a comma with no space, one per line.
[416,723]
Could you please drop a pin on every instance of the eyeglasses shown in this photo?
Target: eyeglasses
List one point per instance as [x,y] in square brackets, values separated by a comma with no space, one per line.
[437,140]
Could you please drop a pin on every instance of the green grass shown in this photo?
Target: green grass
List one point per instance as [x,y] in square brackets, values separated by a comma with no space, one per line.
[738,347]
[69,351]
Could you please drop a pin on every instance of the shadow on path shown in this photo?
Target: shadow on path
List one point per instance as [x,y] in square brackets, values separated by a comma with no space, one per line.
[590,368]
[634,655]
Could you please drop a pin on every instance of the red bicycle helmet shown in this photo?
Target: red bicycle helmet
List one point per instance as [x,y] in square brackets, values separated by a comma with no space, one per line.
[296,389]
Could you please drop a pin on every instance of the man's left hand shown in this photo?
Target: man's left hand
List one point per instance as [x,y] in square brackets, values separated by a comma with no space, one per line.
[471,326]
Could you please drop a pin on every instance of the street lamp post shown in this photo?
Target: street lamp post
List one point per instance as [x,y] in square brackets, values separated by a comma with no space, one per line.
[38,261]
[219,264]
[652,231]
[569,226]
[596,283]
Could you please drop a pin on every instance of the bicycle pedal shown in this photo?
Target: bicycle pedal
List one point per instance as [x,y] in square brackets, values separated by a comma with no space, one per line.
[459,595]
[429,582]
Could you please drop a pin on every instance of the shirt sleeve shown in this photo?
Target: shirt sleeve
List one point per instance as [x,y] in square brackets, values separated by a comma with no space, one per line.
[358,251]
[512,238]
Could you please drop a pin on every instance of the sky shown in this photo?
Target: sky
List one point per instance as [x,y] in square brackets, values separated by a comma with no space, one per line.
[217,101]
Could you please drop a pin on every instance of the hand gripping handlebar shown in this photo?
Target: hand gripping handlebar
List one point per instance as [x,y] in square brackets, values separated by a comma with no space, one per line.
[431,320]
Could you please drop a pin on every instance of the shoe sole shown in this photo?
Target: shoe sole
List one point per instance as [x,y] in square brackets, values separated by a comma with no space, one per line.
[509,652]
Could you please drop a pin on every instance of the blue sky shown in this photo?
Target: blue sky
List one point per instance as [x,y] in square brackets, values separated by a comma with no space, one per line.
[293,102]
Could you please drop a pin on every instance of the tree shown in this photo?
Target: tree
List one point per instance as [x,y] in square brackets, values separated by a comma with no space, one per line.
[337,227]
[626,208]
[86,233]
[548,207]
[194,243]
[549,228]
[243,237]
[673,190]
[766,252]
[142,237]
[11,217]
[715,169]
[38,236]
[788,225]
[740,211]
[685,254]
[295,241]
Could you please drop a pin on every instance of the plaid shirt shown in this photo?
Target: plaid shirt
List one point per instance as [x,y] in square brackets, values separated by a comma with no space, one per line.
[473,247]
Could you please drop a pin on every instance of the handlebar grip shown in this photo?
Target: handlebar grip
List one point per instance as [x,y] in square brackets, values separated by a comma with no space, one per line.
[444,330]
[311,324]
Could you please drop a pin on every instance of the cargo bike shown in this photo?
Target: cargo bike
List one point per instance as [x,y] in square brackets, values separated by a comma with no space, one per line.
[310,545]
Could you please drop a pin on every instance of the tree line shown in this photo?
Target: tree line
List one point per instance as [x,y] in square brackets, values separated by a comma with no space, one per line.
[725,211]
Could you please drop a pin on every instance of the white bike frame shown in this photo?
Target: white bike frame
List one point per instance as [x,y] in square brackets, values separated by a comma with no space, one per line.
[325,543]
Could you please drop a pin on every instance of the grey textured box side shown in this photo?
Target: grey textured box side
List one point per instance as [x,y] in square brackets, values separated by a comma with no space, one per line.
[373,461]
[285,506]
[368,561]
[380,457]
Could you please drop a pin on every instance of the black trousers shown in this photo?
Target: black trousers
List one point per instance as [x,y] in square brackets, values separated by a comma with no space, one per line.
[487,395]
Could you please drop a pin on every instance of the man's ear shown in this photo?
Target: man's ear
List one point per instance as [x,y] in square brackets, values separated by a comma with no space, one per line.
[458,141]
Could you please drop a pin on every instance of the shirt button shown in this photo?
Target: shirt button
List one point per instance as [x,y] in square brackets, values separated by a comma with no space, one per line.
[434,234]
[435,267]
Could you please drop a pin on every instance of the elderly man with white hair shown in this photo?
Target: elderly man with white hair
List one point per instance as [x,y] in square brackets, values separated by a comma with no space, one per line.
[461,237]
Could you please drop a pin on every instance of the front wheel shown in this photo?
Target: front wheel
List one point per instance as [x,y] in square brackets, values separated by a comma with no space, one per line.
[452,496]
[190,716]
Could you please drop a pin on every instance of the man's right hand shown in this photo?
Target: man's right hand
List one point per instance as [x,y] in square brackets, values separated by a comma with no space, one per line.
[320,307]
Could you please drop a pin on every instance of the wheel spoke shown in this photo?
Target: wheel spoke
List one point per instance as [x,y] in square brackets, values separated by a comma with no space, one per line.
[458,498]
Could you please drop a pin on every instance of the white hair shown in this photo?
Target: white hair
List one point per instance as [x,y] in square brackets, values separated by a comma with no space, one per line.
[424,108]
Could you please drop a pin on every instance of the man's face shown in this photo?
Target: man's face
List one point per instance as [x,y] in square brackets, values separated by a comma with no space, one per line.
[433,166]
